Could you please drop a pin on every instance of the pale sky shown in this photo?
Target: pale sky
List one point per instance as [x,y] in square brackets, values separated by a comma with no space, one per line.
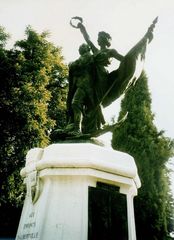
[125,20]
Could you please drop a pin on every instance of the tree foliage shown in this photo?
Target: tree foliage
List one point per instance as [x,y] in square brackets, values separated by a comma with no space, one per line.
[3,37]
[151,150]
[32,98]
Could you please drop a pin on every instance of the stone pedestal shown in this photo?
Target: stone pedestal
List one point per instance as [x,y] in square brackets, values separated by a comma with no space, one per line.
[57,179]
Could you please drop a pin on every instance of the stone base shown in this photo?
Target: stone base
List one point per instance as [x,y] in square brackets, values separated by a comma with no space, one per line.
[57,180]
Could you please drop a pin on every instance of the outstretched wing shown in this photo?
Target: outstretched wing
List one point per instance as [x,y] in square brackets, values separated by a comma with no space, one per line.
[129,70]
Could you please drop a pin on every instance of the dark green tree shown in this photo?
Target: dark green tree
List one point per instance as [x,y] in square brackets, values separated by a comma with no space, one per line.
[151,150]
[32,98]
[8,163]
[3,37]
[41,76]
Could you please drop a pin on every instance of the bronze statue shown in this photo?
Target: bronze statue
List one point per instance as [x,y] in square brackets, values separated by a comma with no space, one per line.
[92,87]
[81,93]
[91,109]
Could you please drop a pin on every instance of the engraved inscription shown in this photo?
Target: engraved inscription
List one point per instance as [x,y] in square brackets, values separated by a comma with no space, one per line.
[29,229]
[28,236]
[29,225]
[31,215]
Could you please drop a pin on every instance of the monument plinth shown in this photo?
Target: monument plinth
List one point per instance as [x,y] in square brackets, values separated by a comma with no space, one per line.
[61,177]
[57,179]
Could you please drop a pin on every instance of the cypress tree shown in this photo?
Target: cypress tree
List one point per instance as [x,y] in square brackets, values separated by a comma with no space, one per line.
[151,150]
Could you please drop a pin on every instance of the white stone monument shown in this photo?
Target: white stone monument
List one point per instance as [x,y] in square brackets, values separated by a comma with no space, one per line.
[57,179]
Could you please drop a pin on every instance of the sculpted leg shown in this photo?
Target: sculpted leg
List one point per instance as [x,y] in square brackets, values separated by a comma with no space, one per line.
[77,106]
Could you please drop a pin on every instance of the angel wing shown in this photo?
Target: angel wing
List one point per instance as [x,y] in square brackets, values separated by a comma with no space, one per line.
[129,70]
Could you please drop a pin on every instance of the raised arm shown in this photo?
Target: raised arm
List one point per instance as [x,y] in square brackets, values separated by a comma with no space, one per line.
[116,55]
[84,33]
